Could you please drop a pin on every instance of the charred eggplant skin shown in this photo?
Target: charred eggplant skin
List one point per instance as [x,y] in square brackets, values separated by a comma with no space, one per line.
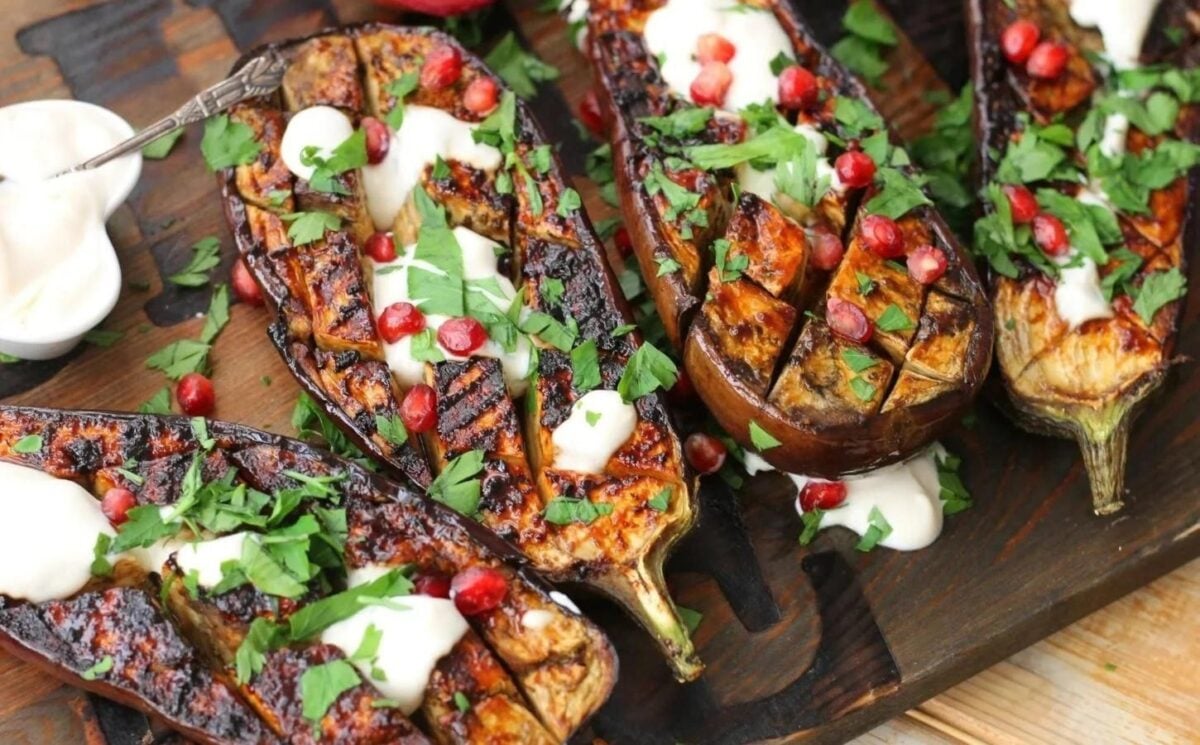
[1101,416]
[630,88]
[123,617]
[551,248]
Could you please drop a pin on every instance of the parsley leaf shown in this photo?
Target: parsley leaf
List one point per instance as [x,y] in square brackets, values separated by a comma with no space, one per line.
[227,143]
[566,510]
[952,491]
[400,88]
[27,445]
[728,269]
[99,669]
[1158,289]
[206,254]
[161,147]
[321,685]
[647,370]
[760,438]
[858,360]
[585,366]
[458,485]
[879,529]
[159,403]
[218,314]
[391,429]
[660,501]
[893,319]
[310,227]
[520,69]
[898,194]
[180,358]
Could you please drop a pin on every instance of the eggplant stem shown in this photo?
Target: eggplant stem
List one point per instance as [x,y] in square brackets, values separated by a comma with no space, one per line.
[641,589]
[1104,442]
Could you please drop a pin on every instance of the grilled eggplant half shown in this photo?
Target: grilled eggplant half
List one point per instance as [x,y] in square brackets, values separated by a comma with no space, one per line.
[234,644]
[827,316]
[487,343]
[1087,293]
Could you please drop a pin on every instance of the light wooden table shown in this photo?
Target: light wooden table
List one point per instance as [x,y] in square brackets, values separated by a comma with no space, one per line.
[1129,673]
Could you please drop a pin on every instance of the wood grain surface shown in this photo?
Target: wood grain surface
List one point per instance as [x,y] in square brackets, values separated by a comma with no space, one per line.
[1026,561]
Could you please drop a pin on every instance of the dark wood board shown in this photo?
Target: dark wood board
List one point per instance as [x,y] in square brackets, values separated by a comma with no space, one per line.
[812,644]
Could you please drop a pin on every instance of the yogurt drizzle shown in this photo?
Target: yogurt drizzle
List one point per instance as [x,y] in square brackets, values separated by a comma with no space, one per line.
[907,494]
[672,31]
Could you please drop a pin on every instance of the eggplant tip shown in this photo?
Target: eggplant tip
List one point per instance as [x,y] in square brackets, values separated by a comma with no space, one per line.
[1104,442]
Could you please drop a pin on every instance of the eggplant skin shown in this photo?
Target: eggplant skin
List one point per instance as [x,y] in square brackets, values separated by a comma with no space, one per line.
[743,341]
[175,666]
[1087,384]
[319,294]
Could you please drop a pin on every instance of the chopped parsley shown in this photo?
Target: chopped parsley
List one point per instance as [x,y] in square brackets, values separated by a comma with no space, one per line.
[99,669]
[399,89]
[661,500]
[27,445]
[227,143]
[458,486]
[160,148]
[1158,289]
[310,227]
[567,510]
[321,685]
[729,269]
[520,69]
[206,254]
[647,370]
[878,529]
[760,438]
[585,366]
[893,319]
[869,37]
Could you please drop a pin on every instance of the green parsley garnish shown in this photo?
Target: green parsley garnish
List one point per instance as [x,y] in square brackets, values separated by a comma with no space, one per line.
[27,445]
[99,669]
[760,438]
[227,143]
[520,69]
[206,254]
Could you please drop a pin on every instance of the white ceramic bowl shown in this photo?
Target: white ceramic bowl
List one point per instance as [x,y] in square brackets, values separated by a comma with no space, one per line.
[79,131]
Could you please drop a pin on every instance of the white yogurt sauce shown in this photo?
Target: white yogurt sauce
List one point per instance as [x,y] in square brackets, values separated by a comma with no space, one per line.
[47,535]
[322,127]
[1114,136]
[206,557]
[479,263]
[426,134]
[411,642]
[576,12]
[59,274]
[673,30]
[1122,24]
[763,183]
[536,619]
[564,601]
[906,494]
[151,558]
[1078,297]
[585,446]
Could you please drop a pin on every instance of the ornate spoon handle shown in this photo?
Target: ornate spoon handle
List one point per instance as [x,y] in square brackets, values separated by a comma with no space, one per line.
[259,76]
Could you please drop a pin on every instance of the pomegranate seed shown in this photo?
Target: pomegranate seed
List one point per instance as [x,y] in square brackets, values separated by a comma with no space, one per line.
[714,48]
[683,390]
[481,95]
[1051,235]
[379,139]
[822,495]
[116,504]
[462,336]
[244,286]
[1024,204]
[848,321]
[399,320]
[705,452]
[855,169]
[478,590]
[797,88]
[882,236]
[381,247]
[927,264]
[589,114]
[623,242]
[195,395]
[711,85]
[1018,40]
[442,68]
[418,410]
[433,585]
[442,8]
[1048,60]
[827,250]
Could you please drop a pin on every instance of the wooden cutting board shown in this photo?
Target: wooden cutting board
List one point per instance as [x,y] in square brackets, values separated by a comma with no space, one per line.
[813,644]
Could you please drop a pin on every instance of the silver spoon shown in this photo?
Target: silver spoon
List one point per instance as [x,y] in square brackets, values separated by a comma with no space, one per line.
[259,76]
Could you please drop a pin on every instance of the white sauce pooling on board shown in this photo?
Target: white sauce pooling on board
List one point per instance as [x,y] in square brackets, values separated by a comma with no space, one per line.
[47,535]
[906,494]
[673,30]
[59,274]
[426,134]
[411,642]
[1122,23]
[390,286]
[599,424]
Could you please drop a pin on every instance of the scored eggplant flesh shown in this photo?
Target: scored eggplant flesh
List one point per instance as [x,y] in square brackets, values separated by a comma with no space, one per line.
[172,650]
[321,291]
[750,334]
[1086,383]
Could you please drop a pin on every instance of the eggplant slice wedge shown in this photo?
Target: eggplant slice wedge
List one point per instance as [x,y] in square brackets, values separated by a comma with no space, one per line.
[754,250]
[531,269]
[1081,348]
[145,632]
